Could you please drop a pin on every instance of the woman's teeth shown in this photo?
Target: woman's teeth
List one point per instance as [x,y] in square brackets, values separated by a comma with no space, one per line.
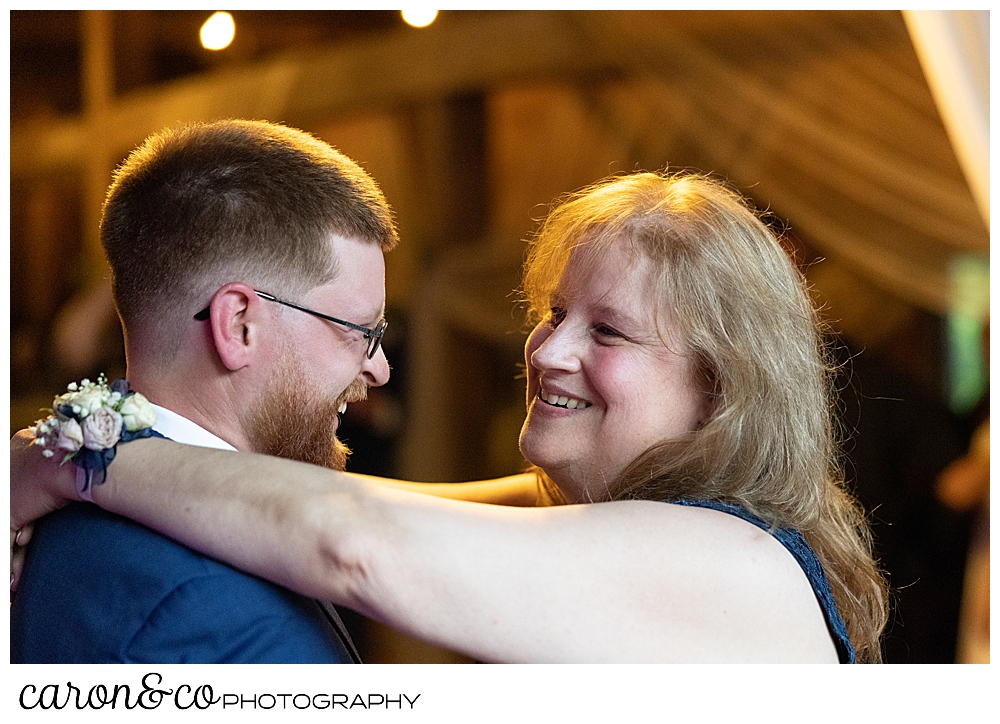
[570,403]
[343,408]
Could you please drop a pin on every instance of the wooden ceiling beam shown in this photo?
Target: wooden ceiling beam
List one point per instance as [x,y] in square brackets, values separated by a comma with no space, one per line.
[458,54]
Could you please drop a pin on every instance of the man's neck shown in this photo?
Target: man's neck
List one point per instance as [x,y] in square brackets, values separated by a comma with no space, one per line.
[203,404]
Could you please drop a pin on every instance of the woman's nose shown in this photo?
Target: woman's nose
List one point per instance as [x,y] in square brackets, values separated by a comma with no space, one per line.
[555,349]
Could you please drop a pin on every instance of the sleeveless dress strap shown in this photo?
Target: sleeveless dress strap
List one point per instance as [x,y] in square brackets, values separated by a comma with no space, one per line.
[796,544]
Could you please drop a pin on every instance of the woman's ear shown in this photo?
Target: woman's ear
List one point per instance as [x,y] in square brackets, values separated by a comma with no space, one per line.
[234,317]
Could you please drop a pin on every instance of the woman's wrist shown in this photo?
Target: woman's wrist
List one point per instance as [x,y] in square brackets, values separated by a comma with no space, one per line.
[37,486]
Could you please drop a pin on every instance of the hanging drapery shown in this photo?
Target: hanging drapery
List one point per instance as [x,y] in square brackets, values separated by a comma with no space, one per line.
[954,50]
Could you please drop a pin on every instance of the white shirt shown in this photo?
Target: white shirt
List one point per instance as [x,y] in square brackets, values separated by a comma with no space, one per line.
[180,429]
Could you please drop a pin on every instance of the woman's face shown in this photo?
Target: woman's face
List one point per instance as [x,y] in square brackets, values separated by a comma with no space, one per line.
[604,381]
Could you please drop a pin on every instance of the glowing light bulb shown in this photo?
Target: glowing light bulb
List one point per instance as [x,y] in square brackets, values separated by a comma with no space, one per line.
[419,18]
[218,31]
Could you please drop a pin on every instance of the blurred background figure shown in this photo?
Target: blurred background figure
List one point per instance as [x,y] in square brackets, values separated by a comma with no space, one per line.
[964,486]
[868,150]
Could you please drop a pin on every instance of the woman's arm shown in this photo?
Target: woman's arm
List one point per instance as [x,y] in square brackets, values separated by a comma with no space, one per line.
[518,490]
[54,487]
[631,581]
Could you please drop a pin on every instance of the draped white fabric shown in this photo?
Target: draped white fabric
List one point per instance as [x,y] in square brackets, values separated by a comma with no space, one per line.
[954,50]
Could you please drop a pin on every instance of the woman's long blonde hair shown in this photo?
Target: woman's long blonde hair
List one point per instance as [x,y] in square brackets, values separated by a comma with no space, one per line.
[741,309]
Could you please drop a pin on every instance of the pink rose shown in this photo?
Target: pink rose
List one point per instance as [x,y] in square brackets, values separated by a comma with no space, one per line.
[102,429]
[70,436]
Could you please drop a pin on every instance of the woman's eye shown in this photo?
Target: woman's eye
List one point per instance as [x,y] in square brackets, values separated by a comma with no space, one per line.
[606,331]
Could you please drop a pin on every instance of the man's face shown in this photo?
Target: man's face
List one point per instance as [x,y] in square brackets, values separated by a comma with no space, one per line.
[291,421]
[322,365]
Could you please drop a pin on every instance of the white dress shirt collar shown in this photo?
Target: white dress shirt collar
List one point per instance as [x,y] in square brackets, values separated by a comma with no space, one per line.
[182,430]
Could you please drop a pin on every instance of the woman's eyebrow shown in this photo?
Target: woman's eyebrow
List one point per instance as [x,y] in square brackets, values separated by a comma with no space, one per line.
[616,315]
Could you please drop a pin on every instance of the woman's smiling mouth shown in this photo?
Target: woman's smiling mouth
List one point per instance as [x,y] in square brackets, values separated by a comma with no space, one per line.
[570,403]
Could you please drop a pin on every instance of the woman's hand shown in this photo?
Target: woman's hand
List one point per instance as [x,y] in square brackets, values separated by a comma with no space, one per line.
[37,486]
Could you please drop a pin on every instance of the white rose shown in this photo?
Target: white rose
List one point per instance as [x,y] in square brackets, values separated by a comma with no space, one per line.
[137,413]
[70,436]
[101,429]
[89,400]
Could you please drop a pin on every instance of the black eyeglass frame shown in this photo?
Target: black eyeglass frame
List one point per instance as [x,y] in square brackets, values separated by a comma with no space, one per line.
[374,336]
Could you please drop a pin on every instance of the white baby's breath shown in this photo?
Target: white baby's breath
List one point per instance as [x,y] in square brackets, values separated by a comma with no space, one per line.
[92,416]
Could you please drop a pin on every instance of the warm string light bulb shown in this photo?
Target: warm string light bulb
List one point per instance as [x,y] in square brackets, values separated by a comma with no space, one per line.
[218,31]
[419,18]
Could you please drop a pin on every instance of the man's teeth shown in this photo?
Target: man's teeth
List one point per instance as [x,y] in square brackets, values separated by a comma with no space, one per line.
[570,403]
[343,408]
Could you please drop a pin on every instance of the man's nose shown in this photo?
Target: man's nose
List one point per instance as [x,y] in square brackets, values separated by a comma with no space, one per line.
[375,371]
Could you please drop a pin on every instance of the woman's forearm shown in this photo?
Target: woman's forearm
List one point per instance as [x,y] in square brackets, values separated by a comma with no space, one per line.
[308,528]
[473,578]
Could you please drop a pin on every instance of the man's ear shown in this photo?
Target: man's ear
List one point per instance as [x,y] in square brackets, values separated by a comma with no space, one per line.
[234,317]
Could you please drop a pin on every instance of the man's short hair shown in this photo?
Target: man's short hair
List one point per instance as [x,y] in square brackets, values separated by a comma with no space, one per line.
[199,206]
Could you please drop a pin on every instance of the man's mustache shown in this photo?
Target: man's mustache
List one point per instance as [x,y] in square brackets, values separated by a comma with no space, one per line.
[355,392]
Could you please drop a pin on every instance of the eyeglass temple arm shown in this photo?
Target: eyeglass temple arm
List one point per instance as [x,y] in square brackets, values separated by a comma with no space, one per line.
[205,313]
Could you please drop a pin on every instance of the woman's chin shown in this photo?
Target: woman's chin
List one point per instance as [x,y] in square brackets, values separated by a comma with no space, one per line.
[536,451]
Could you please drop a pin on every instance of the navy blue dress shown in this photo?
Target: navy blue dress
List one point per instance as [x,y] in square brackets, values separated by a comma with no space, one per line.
[803,553]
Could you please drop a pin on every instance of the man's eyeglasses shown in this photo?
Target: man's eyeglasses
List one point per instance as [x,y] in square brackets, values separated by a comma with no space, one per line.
[374,336]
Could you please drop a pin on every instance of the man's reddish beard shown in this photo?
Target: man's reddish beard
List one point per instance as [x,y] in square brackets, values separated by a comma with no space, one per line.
[291,421]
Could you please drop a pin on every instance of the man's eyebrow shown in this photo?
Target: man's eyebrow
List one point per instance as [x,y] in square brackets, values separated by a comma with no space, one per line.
[373,319]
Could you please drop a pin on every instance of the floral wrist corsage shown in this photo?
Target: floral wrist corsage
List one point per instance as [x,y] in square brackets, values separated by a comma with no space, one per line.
[88,422]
